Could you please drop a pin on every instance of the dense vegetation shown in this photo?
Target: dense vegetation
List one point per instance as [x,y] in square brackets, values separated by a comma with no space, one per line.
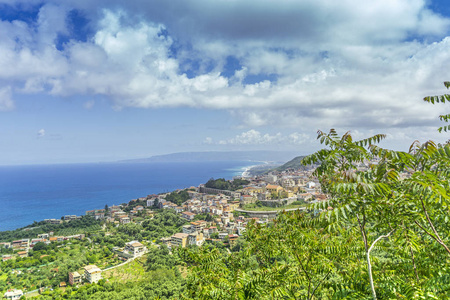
[223,184]
[178,197]
[83,225]
[384,234]
[164,282]
[48,265]
[164,224]
[204,216]
[160,257]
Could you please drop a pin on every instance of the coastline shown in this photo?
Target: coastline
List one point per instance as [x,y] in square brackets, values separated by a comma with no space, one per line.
[247,170]
[260,168]
[35,193]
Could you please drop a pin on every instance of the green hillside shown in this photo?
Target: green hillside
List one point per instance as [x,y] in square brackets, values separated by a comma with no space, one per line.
[294,163]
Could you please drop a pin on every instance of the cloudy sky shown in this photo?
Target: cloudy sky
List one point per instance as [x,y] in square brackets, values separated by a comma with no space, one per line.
[86,81]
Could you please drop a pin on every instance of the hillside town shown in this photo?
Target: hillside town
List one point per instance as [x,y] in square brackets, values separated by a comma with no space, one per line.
[227,211]
[211,215]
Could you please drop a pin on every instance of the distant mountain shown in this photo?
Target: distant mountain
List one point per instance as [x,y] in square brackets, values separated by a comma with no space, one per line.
[294,163]
[266,156]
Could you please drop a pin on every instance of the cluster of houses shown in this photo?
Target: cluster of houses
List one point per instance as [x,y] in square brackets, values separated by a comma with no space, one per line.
[274,189]
[66,218]
[115,214]
[197,232]
[284,188]
[25,245]
[269,189]
[289,184]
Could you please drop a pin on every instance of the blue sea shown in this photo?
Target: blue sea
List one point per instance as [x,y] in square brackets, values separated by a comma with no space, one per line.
[38,192]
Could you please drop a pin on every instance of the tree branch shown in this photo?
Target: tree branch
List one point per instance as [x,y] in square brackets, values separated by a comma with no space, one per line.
[323,279]
[379,238]
[363,233]
[435,238]
[369,265]
[432,227]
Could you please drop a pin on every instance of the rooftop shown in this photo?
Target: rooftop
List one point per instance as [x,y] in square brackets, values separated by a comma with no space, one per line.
[92,269]
[180,235]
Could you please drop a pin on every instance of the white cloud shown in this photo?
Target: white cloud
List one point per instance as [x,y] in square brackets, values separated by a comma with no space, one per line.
[51,22]
[339,64]
[41,133]
[298,138]
[6,102]
[254,137]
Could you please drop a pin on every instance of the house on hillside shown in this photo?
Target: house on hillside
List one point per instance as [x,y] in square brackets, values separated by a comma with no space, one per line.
[74,278]
[124,219]
[92,273]
[188,215]
[134,248]
[247,199]
[179,240]
[13,294]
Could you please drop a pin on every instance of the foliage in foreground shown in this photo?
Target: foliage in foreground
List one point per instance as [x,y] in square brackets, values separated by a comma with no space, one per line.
[158,284]
[382,234]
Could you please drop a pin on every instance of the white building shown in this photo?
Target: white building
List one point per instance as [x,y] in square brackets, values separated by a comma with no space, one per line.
[196,238]
[92,273]
[179,240]
[135,248]
[187,229]
[151,201]
[13,294]
[311,185]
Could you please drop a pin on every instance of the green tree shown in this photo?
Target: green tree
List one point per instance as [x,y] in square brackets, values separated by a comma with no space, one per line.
[178,197]
[441,99]
[293,259]
[40,246]
[404,193]
[361,192]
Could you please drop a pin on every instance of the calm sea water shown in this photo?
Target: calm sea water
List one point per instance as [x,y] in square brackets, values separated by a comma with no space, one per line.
[34,193]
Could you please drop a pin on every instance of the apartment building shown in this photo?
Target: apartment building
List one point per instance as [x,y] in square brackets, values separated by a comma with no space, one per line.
[92,273]
[179,239]
[74,278]
[135,248]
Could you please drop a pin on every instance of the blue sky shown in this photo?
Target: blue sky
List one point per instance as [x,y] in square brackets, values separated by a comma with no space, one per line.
[88,81]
